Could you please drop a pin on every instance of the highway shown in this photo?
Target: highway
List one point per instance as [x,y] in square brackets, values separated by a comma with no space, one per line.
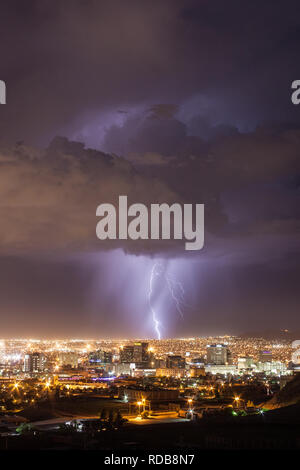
[164,417]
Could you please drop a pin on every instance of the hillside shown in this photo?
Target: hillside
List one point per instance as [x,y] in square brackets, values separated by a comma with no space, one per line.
[289,395]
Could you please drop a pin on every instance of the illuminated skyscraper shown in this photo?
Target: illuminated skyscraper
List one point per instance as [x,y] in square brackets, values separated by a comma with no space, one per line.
[126,354]
[217,354]
[136,353]
[140,352]
[100,357]
[34,363]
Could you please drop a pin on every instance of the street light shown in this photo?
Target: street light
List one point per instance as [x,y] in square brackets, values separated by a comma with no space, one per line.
[143,401]
[47,384]
[237,400]
[139,403]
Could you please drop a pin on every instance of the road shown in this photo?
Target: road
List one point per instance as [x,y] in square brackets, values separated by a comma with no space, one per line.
[157,420]
[164,417]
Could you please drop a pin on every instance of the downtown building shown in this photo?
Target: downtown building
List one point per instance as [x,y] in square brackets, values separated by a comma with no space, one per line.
[34,363]
[68,359]
[136,353]
[175,362]
[276,368]
[168,372]
[245,363]
[100,357]
[218,354]
[265,356]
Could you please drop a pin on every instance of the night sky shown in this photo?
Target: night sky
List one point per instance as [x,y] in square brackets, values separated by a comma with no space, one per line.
[170,101]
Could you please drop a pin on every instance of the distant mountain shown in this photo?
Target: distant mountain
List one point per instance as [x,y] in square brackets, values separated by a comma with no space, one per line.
[270,334]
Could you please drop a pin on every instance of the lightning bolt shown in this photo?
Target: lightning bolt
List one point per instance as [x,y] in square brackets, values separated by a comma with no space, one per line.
[176,291]
[154,317]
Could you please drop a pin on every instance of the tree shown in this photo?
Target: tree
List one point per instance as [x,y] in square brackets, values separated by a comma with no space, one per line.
[119,420]
[24,428]
[111,416]
[103,414]
[57,393]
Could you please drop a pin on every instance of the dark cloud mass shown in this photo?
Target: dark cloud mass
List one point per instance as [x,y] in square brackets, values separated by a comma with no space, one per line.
[169,102]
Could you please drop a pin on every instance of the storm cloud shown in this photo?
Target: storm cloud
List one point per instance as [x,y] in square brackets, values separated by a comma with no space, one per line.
[170,101]
[246,181]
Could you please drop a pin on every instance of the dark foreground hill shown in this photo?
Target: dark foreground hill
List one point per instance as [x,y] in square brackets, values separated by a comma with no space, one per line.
[289,395]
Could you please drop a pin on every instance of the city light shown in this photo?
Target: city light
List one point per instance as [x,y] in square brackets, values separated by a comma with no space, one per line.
[182,375]
[16,385]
